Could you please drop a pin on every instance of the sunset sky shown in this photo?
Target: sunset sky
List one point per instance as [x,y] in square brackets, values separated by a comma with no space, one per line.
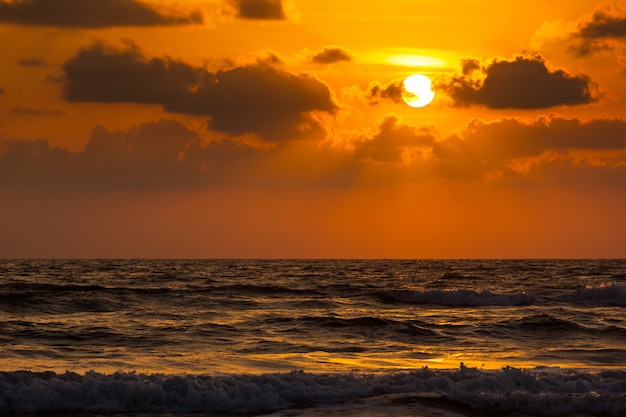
[261,128]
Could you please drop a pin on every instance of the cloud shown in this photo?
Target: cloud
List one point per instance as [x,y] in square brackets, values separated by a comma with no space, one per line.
[91,14]
[508,149]
[156,155]
[605,23]
[258,9]
[32,62]
[2,91]
[391,142]
[107,74]
[510,138]
[391,91]
[551,31]
[254,99]
[168,155]
[513,149]
[525,82]
[596,33]
[331,55]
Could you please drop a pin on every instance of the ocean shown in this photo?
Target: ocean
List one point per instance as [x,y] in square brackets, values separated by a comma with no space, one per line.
[293,338]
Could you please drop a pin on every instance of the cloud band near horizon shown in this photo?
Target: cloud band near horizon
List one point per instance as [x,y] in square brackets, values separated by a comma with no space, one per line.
[168,155]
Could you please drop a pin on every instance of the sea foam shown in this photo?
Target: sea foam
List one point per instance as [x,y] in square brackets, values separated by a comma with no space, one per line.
[604,294]
[546,392]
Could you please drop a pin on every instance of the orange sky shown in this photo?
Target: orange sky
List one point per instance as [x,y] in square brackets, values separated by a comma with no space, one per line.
[268,128]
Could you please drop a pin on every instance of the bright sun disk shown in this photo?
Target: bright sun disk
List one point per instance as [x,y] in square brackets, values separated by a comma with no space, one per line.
[417,90]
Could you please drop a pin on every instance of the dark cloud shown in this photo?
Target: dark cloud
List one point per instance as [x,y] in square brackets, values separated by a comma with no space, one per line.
[513,149]
[523,83]
[270,59]
[391,91]
[513,138]
[255,99]
[223,154]
[469,65]
[107,74]
[168,155]
[502,150]
[28,162]
[392,141]
[259,9]
[156,155]
[265,101]
[32,62]
[605,25]
[91,14]
[2,91]
[330,55]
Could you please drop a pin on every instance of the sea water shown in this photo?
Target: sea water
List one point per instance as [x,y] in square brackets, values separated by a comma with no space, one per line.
[313,337]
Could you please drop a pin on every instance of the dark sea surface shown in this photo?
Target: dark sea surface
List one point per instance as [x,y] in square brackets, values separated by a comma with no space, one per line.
[313,337]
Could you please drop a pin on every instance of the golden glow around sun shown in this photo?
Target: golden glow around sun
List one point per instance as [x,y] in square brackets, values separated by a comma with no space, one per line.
[412,60]
[417,90]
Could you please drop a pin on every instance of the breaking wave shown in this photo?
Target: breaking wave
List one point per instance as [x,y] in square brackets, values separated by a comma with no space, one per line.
[605,294]
[548,392]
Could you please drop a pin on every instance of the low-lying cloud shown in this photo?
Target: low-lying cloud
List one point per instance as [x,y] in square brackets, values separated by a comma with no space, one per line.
[512,138]
[168,155]
[156,155]
[391,142]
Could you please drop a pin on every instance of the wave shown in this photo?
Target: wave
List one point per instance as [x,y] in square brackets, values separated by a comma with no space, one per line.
[38,288]
[546,322]
[263,289]
[546,392]
[23,289]
[459,298]
[605,294]
[358,324]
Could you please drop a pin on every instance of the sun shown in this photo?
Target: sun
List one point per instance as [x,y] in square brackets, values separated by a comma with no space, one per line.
[417,90]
